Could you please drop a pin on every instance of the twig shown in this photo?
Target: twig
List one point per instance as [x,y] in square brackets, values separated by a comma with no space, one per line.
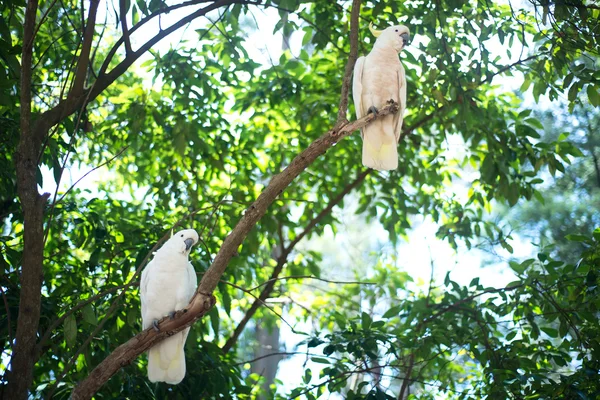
[282,260]
[282,353]
[72,360]
[264,303]
[430,277]
[470,298]
[343,107]
[312,277]
[92,170]
[10,335]
[84,56]
[123,13]
[406,379]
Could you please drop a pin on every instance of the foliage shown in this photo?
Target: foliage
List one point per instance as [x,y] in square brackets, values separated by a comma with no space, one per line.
[193,134]
[571,195]
[537,337]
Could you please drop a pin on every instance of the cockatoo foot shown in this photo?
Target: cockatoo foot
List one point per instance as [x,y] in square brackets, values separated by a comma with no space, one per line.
[155,325]
[210,301]
[172,314]
[372,110]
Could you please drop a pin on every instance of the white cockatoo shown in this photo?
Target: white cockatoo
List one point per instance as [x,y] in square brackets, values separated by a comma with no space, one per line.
[168,283]
[378,78]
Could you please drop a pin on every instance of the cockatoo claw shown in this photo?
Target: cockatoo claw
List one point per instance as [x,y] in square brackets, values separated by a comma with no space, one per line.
[372,110]
[155,325]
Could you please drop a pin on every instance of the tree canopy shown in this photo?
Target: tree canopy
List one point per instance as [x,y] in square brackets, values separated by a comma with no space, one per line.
[256,154]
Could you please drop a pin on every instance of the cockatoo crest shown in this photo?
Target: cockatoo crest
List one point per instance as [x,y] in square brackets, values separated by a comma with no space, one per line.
[397,36]
[181,242]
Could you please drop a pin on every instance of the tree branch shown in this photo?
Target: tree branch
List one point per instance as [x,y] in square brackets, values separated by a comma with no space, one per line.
[282,261]
[286,278]
[343,109]
[57,322]
[406,380]
[8,322]
[89,172]
[165,10]
[203,299]
[123,13]
[84,56]
[75,102]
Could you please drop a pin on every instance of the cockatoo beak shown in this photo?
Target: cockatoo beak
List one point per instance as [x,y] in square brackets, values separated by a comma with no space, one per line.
[406,38]
[188,244]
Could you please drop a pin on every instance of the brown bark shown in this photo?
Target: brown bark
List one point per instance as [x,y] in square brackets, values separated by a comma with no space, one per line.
[203,300]
[21,363]
[86,47]
[282,261]
[20,376]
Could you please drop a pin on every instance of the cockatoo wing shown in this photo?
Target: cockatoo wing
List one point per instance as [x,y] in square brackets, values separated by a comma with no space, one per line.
[399,116]
[357,87]
[146,273]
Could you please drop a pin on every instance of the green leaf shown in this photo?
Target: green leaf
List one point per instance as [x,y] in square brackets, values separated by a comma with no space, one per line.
[214,320]
[307,376]
[70,329]
[392,312]
[573,90]
[89,315]
[593,95]
[578,238]
[365,321]
[550,331]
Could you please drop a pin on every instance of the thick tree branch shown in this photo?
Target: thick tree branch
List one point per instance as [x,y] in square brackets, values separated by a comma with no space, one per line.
[343,109]
[111,53]
[84,56]
[123,17]
[75,102]
[203,300]
[283,257]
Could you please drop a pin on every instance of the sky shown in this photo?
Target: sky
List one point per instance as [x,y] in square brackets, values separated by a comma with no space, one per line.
[416,255]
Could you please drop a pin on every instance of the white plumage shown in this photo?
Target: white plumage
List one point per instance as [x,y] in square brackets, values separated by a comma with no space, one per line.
[168,283]
[380,77]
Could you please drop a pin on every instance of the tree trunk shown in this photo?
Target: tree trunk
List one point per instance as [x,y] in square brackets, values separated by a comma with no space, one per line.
[268,343]
[26,164]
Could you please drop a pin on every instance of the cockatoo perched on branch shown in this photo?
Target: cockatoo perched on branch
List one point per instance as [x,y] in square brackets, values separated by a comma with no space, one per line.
[168,283]
[378,78]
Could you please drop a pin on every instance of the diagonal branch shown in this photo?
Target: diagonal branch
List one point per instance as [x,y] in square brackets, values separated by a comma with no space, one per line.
[283,258]
[203,300]
[84,56]
[123,12]
[75,102]
[351,61]
[111,53]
